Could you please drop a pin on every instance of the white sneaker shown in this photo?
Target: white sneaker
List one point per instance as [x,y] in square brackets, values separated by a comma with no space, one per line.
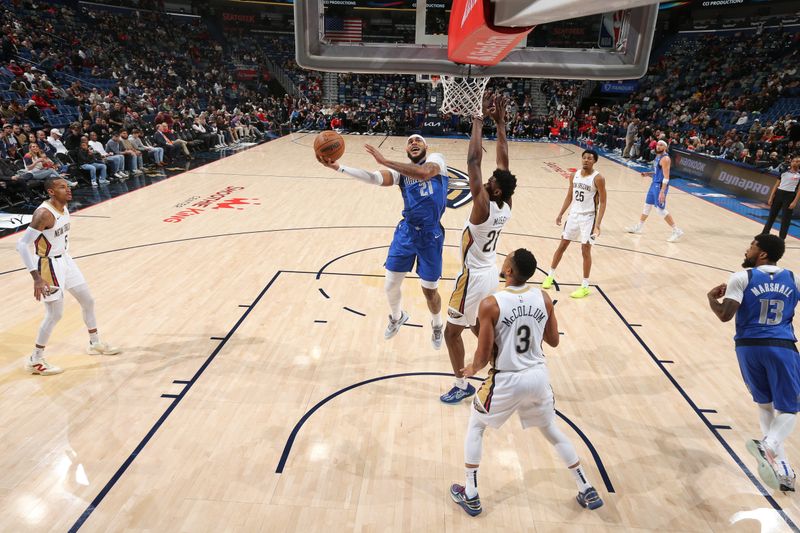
[104,182]
[437,336]
[394,325]
[102,348]
[41,367]
[676,235]
[636,229]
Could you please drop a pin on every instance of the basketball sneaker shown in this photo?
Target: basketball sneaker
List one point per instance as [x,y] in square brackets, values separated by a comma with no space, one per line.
[456,394]
[41,367]
[437,336]
[548,282]
[472,506]
[589,498]
[786,477]
[676,235]
[394,325]
[767,467]
[580,292]
[102,348]
[636,229]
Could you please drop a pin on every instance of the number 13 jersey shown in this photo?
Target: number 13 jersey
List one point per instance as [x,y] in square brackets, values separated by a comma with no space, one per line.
[479,241]
[519,331]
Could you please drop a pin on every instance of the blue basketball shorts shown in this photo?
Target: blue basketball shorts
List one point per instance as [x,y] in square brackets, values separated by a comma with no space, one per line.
[421,245]
[772,374]
[652,195]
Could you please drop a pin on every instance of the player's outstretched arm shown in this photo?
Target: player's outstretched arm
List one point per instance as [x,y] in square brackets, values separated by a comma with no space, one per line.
[499,116]
[422,172]
[384,178]
[488,313]
[551,335]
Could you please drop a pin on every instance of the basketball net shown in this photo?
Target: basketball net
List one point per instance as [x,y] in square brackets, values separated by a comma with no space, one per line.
[463,96]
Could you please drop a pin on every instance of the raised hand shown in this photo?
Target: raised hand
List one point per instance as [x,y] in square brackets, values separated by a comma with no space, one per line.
[374,152]
[498,112]
[328,163]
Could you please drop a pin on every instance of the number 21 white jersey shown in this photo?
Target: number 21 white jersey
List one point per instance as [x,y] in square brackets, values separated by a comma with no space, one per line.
[519,331]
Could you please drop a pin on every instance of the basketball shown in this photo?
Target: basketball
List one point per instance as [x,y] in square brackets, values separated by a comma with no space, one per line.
[329,145]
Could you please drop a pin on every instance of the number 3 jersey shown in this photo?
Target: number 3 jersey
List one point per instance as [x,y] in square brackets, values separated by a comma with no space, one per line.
[519,330]
[479,241]
[767,296]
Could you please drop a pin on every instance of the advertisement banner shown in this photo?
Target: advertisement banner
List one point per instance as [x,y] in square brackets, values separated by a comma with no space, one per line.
[619,87]
[724,175]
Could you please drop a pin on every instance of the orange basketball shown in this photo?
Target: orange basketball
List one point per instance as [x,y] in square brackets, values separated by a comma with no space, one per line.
[329,145]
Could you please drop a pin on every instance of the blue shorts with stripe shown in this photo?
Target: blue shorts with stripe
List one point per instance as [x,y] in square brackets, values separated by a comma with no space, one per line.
[652,195]
[771,373]
[412,244]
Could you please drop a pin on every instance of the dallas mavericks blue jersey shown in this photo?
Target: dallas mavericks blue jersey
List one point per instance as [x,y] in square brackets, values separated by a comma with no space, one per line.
[767,307]
[424,201]
[658,174]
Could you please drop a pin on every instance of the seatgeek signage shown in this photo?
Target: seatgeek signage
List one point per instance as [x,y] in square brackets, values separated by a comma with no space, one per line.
[723,174]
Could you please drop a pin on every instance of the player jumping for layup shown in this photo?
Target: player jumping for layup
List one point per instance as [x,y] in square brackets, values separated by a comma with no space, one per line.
[514,322]
[53,272]
[587,194]
[419,237]
[491,209]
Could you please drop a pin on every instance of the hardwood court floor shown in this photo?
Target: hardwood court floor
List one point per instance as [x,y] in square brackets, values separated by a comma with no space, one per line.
[261,310]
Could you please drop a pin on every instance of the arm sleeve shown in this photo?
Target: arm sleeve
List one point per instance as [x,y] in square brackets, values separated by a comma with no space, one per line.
[24,248]
[375,178]
[736,286]
[395,176]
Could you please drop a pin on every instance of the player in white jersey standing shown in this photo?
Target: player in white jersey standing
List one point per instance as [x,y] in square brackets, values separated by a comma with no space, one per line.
[491,209]
[53,272]
[514,322]
[586,198]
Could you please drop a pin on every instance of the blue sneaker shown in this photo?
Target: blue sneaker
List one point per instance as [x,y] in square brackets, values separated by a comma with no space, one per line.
[457,394]
[472,506]
[589,498]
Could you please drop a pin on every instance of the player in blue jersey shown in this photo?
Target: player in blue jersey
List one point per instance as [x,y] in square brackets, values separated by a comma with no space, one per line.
[419,237]
[657,193]
[763,299]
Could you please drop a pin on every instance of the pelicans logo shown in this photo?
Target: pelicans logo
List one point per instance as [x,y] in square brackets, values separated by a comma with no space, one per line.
[458,194]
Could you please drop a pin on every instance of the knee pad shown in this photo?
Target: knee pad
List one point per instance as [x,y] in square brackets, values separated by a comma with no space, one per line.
[647,209]
[662,211]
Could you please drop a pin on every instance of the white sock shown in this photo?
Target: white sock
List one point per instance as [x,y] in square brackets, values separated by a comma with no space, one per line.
[471,487]
[580,478]
[38,354]
[94,338]
[461,383]
[765,416]
[674,227]
[780,429]
[552,273]
[437,320]
[585,283]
